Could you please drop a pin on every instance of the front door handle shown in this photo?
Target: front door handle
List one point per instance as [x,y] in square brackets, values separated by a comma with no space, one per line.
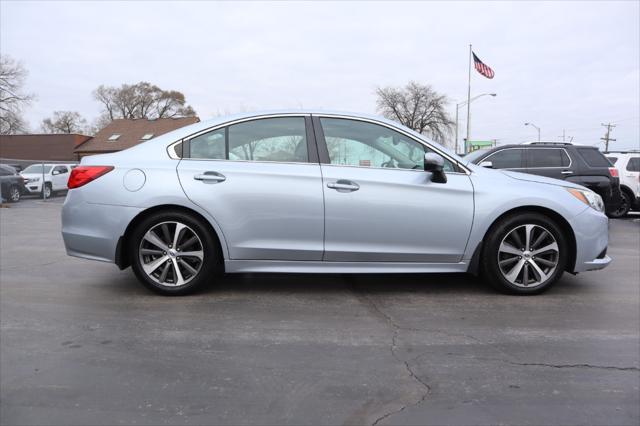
[566,172]
[343,185]
[210,177]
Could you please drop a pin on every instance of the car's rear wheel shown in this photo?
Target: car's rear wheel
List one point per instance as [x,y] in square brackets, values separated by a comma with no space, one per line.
[173,253]
[524,254]
[14,194]
[623,209]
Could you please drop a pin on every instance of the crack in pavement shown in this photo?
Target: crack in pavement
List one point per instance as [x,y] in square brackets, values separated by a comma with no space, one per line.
[535,364]
[394,345]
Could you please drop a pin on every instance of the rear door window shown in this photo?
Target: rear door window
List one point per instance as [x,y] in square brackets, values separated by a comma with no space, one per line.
[593,157]
[507,159]
[548,157]
[634,164]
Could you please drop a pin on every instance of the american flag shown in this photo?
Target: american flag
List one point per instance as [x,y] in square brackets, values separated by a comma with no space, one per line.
[482,68]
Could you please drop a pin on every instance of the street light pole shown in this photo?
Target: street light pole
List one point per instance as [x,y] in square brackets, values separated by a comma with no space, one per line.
[457,111]
[537,128]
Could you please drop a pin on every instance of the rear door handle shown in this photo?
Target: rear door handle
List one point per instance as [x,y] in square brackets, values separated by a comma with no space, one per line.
[343,185]
[566,172]
[210,177]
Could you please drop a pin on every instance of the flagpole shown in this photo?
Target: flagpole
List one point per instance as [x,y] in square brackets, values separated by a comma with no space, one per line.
[466,142]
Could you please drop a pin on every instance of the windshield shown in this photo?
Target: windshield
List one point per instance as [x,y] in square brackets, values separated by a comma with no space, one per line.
[37,168]
[475,155]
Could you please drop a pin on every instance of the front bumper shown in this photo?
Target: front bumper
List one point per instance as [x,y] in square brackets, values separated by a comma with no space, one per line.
[591,230]
[92,231]
[33,187]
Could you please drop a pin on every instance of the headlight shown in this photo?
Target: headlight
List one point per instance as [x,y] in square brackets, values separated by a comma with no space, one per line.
[590,198]
[34,180]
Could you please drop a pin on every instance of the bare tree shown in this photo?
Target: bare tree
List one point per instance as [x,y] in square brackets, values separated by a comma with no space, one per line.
[142,100]
[13,99]
[64,122]
[418,107]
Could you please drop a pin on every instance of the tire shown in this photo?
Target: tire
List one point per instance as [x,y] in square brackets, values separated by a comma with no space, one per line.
[154,261]
[47,190]
[14,194]
[538,271]
[625,206]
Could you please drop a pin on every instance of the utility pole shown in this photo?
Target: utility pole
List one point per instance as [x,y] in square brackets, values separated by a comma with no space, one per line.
[563,135]
[607,137]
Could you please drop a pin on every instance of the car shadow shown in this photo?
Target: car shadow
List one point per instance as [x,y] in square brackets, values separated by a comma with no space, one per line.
[369,283]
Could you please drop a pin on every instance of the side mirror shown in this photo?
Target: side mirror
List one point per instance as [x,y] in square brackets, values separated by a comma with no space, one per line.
[487,164]
[55,172]
[435,164]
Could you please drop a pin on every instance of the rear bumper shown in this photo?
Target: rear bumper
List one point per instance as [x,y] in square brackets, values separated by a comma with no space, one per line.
[591,229]
[91,231]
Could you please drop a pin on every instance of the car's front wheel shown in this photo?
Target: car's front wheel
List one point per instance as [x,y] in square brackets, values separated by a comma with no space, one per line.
[173,253]
[14,194]
[524,254]
[47,190]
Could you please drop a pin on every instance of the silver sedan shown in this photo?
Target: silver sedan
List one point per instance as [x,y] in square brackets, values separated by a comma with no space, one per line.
[318,192]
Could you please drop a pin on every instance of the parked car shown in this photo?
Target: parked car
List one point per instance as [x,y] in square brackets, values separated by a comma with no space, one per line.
[311,192]
[11,184]
[55,178]
[628,165]
[579,164]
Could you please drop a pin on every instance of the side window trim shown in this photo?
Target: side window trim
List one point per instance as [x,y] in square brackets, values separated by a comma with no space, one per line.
[324,151]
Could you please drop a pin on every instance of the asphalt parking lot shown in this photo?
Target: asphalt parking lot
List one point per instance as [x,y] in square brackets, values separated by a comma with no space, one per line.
[83,343]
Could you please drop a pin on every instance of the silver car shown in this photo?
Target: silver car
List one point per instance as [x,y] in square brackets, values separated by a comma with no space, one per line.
[319,192]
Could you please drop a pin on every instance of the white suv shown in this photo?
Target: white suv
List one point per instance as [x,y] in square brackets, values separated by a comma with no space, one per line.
[55,177]
[628,165]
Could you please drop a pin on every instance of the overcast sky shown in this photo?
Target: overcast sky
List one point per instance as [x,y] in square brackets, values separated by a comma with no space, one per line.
[570,65]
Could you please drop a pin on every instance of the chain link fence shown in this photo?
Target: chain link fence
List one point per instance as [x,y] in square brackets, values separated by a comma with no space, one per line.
[33,178]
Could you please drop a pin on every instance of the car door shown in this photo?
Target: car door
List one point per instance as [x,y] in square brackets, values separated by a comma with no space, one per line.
[380,205]
[59,177]
[550,162]
[260,180]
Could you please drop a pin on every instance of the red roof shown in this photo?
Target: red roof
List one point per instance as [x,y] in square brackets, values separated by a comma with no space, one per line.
[131,132]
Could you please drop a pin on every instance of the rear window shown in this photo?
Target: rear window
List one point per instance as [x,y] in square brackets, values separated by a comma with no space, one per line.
[613,160]
[634,164]
[593,157]
[548,157]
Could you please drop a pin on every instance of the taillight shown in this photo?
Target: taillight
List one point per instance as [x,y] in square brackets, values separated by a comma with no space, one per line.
[613,172]
[82,175]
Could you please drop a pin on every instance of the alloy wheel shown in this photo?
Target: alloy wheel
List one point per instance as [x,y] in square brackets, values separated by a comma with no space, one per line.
[171,253]
[14,195]
[528,255]
[47,191]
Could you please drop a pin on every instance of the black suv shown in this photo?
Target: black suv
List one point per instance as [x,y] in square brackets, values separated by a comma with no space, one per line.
[11,184]
[584,165]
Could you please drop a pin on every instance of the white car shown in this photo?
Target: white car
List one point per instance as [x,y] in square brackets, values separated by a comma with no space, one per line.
[54,176]
[628,165]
